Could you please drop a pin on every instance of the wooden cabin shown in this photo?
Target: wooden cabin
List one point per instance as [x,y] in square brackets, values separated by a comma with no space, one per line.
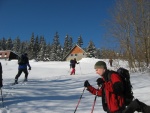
[76,52]
[8,55]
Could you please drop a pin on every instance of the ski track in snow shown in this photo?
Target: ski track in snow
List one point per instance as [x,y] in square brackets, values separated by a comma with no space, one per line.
[51,89]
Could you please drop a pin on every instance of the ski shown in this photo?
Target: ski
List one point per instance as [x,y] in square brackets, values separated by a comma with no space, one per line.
[13,84]
[22,82]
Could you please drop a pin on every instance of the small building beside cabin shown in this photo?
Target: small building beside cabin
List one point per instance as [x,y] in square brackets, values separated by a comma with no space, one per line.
[8,55]
[76,52]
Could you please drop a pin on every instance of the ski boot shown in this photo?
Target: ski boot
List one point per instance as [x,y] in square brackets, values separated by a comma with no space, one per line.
[25,80]
[16,81]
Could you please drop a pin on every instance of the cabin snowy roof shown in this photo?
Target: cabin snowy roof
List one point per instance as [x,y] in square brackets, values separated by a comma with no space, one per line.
[72,49]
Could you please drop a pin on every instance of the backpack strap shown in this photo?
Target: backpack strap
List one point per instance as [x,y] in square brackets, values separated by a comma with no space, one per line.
[109,75]
[109,79]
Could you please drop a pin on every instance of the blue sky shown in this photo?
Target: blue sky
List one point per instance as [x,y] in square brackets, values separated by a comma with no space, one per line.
[45,17]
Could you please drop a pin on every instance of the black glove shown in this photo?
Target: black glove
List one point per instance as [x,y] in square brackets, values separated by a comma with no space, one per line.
[100,81]
[86,83]
[29,68]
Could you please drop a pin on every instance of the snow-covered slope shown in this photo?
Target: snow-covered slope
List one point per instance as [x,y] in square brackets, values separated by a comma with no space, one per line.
[51,89]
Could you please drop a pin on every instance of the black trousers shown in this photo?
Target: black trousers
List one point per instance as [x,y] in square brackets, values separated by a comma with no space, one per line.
[1,81]
[20,72]
[137,105]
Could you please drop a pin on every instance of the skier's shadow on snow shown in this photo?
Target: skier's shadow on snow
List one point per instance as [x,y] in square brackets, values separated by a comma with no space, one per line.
[16,100]
[46,88]
[60,80]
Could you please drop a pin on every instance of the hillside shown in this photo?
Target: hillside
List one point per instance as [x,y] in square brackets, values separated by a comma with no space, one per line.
[51,89]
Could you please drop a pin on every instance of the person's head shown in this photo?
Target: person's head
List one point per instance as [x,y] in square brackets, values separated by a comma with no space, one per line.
[74,58]
[100,67]
[25,54]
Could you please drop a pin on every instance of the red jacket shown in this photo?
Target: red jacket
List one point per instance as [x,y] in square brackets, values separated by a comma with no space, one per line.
[112,99]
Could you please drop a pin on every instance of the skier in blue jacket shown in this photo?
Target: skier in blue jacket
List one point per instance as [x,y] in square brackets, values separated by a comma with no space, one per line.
[23,63]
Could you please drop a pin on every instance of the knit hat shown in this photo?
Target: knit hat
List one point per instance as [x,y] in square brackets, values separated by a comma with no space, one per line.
[100,64]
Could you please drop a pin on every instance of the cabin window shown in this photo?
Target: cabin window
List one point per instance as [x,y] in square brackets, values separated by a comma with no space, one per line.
[83,53]
[71,54]
[76,54]
[0,54]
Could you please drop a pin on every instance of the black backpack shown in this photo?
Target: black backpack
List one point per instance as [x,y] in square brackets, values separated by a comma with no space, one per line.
[125,77]
[22,60]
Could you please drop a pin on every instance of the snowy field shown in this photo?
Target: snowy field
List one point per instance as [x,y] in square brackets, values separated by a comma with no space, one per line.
[51,88]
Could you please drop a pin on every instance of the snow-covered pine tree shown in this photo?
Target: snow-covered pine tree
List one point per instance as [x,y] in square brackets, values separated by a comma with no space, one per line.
[70,43]
[16,45]
[59,53]
[80,41]
[48,52]
[91,49]
[36,47]
[41,40]
[41,55]
[9,44]
[23,48]
[98,54]
[66,47]
[3,43]
[55,48]
[31,47]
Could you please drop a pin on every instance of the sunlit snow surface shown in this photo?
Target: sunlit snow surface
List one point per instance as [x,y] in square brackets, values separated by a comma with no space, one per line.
[51,88]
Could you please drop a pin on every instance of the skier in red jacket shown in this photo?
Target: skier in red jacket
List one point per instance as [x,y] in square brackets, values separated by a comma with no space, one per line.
[73,65]
[111,89]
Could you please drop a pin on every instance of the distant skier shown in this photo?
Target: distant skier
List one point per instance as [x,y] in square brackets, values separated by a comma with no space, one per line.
[110,62]
[73,65]
[1,79]
[71,61]
[23,62]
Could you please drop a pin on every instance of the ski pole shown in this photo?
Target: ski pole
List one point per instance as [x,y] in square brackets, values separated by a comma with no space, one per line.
[79,100]
[2,98]
[94,101]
